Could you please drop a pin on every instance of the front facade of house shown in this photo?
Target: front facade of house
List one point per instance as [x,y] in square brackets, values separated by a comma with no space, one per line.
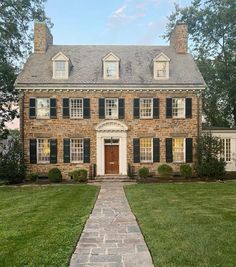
[109,109]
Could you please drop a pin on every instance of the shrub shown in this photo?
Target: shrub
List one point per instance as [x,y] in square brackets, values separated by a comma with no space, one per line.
[80,175]
[165,170]
[186,170]
[33,177]
[143,172]
[209,164]
[12,171]
[54,175]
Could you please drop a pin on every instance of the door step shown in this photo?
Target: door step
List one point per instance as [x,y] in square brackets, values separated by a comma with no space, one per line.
[112,178]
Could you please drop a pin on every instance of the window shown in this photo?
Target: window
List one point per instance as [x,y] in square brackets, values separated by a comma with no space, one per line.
[146,107]
[226,149]
[60,69]
[178,150]
[111,67]
[161,70]
[111,108]
[146,150]
[43,150]
[76,150]
[43,108]
[178,107]
[61,65]
[161,67]
[76,108]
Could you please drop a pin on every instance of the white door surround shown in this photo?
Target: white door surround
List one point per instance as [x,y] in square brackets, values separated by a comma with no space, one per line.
[116,130]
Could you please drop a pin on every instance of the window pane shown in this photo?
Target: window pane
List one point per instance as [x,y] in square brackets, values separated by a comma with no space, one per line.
[60,69]
[43,150]
[76,150]
[146,108]
[43,108]
[178,107]
[178,149]
[76,108]
[111,69]
[146,149]
[161,69]
[227,150]
[112,108]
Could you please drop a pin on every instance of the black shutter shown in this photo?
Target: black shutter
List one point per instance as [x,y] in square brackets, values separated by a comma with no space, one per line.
[156,150]
[136,150]
[32,108]
[189,150]
[121,108]
[86,111]
[101,108]
[53,151]
[136,108]
[33,151]
[168,107]
[53,108]
[66,108]
[86,150]
[169,154]
[66,150]
[156,108]
[188,108]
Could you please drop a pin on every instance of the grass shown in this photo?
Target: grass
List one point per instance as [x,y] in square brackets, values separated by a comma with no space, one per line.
[39,226]
[187,224]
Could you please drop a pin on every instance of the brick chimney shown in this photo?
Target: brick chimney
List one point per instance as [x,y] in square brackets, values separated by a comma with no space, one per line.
[42,37]
[179,38]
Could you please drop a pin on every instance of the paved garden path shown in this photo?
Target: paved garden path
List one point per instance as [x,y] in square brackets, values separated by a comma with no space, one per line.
[111,237]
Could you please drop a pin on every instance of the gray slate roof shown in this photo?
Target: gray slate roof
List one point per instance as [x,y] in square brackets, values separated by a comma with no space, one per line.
[136,66]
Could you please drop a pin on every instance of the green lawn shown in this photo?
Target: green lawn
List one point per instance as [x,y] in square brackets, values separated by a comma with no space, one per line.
[39,226]
[187,224]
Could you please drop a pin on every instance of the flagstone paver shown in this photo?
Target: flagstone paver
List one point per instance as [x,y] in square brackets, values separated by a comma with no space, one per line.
[111,237]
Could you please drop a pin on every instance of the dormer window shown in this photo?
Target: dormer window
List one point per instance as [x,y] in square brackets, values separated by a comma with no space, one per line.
[61,64]
[111,67]
[161,67]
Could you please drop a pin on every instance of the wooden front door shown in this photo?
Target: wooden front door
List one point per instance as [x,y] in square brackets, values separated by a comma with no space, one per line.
[111,159]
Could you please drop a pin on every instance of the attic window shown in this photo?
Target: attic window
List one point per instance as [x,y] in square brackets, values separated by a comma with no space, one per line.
[111,67]
[60,66]
[161,67]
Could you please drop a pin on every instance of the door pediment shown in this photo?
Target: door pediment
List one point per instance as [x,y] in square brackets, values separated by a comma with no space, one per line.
[111,126]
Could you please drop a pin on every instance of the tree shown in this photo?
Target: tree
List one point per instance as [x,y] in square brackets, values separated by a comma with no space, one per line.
[209,163]
[16,17]
[212,31]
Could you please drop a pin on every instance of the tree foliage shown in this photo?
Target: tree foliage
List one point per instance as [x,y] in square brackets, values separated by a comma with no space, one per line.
[209,164]
[212,31]
[16,17]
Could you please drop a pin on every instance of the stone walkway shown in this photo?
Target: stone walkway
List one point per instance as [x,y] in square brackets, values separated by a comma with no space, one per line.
[111,237]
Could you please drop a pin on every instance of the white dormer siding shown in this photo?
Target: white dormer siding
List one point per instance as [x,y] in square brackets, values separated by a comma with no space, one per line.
[61,66]
[161,66]
[111,67]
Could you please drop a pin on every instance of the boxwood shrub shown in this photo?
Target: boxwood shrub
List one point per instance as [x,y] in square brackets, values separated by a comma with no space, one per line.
[143,172]
[80,175]
[165,170]
[54,175]
[185,170]
[32,176]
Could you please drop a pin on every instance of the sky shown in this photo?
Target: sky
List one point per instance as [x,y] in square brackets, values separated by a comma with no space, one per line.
[109,22]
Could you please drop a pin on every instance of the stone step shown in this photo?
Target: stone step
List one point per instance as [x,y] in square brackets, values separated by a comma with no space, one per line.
[112,178]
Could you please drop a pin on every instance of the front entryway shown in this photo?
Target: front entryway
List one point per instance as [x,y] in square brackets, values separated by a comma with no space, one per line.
[111,159]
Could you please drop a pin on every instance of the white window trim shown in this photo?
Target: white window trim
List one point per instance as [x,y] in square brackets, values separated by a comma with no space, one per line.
[184,113]
[117,112]
[76,161]
[41,162]
[82,108]
[184,160]
[224,152]
[111,58]
[36,108]
[65,77]
[145,117]
[151,160]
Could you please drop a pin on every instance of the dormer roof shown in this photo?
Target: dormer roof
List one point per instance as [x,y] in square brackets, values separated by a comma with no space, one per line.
[161,57]
[111,57]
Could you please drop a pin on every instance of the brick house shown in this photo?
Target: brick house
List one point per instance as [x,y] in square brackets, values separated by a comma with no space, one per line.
[110,106]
